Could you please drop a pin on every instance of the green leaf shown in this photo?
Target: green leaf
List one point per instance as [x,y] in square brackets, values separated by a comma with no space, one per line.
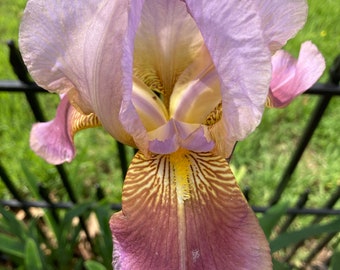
[335,261]
[103,241]
[11,245]
[272,216]
[93,265]
[32,256]
[14,226]
[289,238]
[33,187]
[70,233]
[280,266]
[76,211]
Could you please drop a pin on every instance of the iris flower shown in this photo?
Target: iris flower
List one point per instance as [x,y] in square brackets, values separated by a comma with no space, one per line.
[182,81]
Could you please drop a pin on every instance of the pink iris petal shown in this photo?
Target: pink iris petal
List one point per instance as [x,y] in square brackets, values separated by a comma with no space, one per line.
[128,115]
[53,140]
[292,77]
[52,54]
[78,48]
[233,34]
[281,20]
[214,228]
[175,134]
[163,140]
[109,55]
[198,140]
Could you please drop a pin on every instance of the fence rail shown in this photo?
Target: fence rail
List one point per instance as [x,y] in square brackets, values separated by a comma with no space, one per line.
[326,93]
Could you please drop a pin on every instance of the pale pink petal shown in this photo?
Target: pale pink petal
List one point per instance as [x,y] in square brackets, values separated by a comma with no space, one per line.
[194,137]
[128,114]
[281,20]
[54,53]
[186,212]
[164,140]
[292,77]
[175,134]
[53,140]
[233,34]
[108,53]
[78,48]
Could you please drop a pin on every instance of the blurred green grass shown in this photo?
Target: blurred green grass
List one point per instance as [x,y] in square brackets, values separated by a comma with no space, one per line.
[258,161]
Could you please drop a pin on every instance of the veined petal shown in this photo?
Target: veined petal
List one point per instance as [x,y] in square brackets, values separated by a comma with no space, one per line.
[233,34]
[54,53]
[185,211]
[197,91]
[53,140]
[292,77]
[281,20]
[108,54]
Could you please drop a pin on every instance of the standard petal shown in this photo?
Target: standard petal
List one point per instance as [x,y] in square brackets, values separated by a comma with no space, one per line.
[53,140]
[77,48]
[185,211]
[233,34]
[167,41]
[292,77]
[281,20]
[197,91]
[54,53]
[107,56]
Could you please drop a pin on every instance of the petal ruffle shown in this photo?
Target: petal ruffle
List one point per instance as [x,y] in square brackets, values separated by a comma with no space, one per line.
[233,34]
[185,211]
[176,134]
[292,77]
[53,140]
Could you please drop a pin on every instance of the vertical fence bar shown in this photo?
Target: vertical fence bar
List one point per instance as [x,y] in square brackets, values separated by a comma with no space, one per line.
[306,137]
[299,205]
[122,158]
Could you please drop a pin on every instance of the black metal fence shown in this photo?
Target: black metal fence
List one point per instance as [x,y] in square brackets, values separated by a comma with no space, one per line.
[325,92]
